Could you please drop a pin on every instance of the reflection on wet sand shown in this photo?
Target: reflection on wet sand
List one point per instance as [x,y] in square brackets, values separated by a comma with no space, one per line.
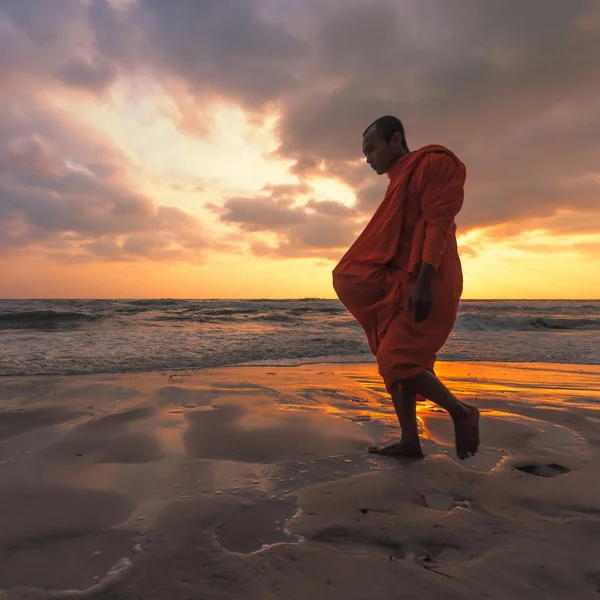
[122,474]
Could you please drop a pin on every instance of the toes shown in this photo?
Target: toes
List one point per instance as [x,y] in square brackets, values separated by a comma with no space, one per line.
[468,434]
[465,452]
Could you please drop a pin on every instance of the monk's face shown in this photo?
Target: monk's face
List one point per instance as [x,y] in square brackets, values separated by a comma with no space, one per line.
[381,155]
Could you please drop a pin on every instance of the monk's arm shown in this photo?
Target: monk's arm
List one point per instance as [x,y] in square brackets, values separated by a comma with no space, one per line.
[425,276]
[442,194]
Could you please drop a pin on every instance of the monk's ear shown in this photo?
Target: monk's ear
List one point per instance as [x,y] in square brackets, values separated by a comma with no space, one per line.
[396,138]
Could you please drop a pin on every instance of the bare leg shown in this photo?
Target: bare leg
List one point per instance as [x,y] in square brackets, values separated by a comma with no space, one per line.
[405,404]
[465,417]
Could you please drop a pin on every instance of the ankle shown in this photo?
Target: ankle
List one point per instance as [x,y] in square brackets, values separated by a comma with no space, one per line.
[461,411]
[410,441]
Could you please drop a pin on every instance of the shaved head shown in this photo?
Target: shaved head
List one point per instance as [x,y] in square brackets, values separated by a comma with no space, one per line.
[388,126]
[384,142]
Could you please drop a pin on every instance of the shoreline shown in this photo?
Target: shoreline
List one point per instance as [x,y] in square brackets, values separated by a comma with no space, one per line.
[254,481]
[292,363]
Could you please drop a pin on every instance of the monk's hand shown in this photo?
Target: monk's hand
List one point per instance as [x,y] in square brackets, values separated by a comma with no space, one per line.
[420,301]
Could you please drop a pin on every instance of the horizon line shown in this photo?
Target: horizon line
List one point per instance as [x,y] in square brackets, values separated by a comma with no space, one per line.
[257,299]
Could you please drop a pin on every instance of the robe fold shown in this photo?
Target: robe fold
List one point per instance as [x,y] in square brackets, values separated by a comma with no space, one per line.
[414,223]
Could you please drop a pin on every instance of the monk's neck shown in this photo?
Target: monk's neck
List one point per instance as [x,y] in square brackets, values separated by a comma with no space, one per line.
[398,166]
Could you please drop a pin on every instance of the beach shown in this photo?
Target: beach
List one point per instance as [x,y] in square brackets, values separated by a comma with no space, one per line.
[229,229]
[255,482]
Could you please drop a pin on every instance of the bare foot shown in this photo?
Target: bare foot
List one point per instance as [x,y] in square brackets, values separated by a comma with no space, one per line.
[466,432]
[399,449]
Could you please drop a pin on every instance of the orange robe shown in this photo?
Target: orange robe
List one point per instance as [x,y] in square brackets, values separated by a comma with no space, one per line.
[414,223]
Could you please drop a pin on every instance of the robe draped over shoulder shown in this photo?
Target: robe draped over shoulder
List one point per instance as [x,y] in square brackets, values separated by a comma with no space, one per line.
[413,224]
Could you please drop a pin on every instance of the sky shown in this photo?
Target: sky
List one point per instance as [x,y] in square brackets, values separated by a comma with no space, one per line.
[212,148]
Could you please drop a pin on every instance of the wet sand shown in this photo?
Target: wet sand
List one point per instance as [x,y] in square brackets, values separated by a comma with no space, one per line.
[255,482]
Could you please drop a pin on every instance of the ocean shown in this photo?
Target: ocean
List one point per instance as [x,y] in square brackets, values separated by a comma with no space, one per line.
[98,336]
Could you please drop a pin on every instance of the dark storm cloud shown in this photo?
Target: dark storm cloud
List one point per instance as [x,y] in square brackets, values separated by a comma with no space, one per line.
[222,48]
[548,164]
[484,78]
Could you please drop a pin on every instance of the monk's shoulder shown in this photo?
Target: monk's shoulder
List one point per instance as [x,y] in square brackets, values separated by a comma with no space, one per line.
[438,162]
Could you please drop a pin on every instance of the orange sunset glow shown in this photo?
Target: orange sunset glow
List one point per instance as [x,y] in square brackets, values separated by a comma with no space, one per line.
[213,149]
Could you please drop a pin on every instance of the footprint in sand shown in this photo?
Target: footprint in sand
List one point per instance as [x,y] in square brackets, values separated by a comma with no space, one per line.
[255,526]
[549,470]
[440,502]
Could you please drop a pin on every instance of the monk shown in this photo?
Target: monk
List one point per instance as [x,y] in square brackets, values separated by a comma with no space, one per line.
[402,280]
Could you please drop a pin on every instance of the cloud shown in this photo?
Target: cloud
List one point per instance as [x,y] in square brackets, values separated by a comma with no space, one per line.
[96,75]
[312,229]
[261,213]
[219,49]
[63,190]
[512,87]
[591,249]
[562,223]
[330,208]
[370,195]
[514,94]
[42,44]
[468,251]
